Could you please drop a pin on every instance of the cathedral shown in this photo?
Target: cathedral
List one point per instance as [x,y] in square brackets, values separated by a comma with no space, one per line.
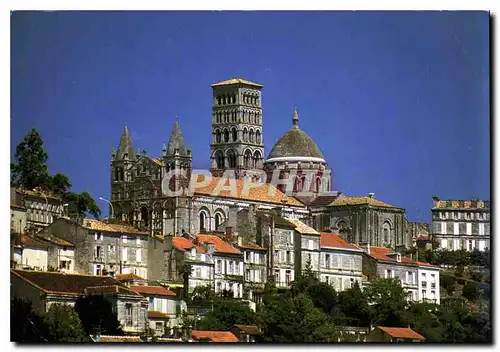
[237,146]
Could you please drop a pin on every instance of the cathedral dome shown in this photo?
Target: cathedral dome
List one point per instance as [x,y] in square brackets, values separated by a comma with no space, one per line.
[295,143]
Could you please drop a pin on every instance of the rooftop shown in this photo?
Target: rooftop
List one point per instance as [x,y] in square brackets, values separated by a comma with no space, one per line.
[334,240]
[221,246]
[125,277]
[302,228]
[348,200]
[265,193]
[214,336]
[460,204]
[60,283]
[154,314]
[249,329]
[183,244]
[106,338]
[97,225]
[381,253]
[402,333]
[250,245]
[152,290]
[236,81]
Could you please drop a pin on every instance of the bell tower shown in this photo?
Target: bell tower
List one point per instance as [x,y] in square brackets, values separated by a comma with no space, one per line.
[237,142]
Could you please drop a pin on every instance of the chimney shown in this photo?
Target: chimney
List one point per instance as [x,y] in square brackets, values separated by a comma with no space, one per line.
[365,246]
[371,195]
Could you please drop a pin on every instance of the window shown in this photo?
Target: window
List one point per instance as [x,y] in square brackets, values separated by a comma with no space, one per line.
[219,266]
[111,249]
[159,327]
[124,254]
[288,257]
[138,241]
[98,269]
[276,276]
[388,273]
[98,236]
[138,255]
[128,314]
[124,238]
[231,267]
[327,261]
[98,252]
[276,255]
[198,272]
[247,274]
[423,293]
[288,277]
[247,256]
[424,283]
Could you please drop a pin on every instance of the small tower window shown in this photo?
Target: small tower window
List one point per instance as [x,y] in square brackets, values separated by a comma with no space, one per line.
[219,160]
[258,136]
[245,135]
[231,158]
[217,136]
[218,100]
[235,134]
[226,136]
[251,136]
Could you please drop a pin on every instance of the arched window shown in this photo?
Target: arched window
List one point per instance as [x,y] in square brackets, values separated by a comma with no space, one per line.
[235,134]
[144,217]
[219,159]
[121,174]
[217,136]
[257,157]
[252,136]
[226,135]
[258,136]
[247,159]
[219,219]
[318,184]
[218,100]
[386,232]
[231,158]
[203,221]
[245,135]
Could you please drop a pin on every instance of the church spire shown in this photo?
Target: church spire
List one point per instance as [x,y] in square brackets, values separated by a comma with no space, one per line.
[176,141]
[126,147]
[295,118]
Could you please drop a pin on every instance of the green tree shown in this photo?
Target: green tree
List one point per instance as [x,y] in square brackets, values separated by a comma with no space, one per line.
[203,293]
[185,270]
[388,303]
[96,314]
[30,169]
[63,324]
[353,307]
[448,283]
[81,204]
[226,313]
[25,324]
[59,184]
[471,291]
[425,321]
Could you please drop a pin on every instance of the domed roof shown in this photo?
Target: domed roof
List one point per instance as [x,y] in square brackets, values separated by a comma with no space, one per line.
[295,143]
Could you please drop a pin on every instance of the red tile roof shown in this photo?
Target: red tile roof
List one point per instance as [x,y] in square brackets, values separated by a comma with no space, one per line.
[104,338]
[108,289]
[183,244]
[428,265]
[214,336]
[381,253]
[154,314]
[402,333]
[221,246]
[265,193]
[249,245]
[152,290]
[330,239]
[423,238]
[249,329]
[29,241]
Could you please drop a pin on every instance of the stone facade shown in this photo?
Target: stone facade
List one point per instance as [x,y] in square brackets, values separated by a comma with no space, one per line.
[459,224]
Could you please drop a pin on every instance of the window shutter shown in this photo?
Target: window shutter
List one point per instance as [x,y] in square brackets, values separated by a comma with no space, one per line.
[138,255]
[124,254]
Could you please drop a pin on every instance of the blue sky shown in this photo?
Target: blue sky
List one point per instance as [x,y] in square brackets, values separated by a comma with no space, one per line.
[397,101]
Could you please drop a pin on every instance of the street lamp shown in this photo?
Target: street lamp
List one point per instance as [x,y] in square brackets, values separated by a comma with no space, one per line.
[112,210]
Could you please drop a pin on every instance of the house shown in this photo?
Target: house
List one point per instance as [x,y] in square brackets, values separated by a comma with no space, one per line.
[163,306]
[246,333]
[341,262]
[213,336]
[307,246]
[384,262]
[384,334]
[228,273]
[43,289]
[428,283]
[42,208]
[34,253]
[185,252]
[102,248]
[255,268]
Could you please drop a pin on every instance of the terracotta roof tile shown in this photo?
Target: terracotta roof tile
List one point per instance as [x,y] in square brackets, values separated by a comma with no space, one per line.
[329,239]
[130,276]
[249,329]
[108,289]
[54,239]
[38,194]
[214,336]
[347,200]
[154,314]
[249,245]
[428,265]
[402,333]
[236,81]
[302,228]
[381,253]
[54,282]
[93,224]
[221,246]
[183,244]
[265,193]
[104,338]
[152,290]
[30,241]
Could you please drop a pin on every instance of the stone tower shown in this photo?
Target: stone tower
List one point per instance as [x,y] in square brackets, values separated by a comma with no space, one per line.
[121,161]
[177,162]
[237,142]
